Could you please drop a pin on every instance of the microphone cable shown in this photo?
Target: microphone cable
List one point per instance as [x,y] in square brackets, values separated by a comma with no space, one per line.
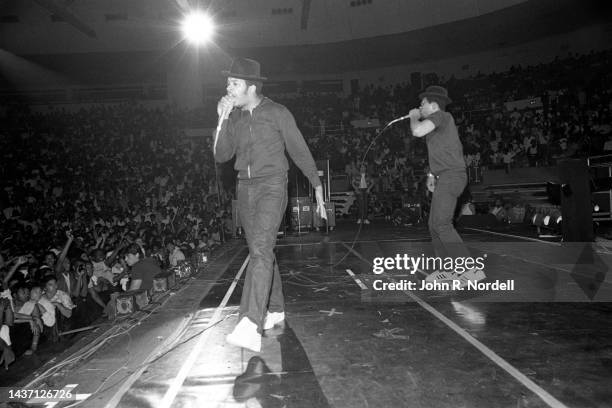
[363,159]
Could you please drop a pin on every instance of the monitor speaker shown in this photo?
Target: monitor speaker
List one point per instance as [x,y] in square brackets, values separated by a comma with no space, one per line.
[576,205]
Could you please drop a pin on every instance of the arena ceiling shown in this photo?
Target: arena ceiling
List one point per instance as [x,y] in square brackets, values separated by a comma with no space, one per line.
[67,26]
[289,36]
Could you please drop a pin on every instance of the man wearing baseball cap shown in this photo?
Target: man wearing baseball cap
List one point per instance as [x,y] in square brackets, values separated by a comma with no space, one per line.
[258,132]
[446,180]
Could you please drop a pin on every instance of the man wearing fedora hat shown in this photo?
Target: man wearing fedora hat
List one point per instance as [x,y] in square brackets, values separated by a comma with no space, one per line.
[257,133]
[446,180]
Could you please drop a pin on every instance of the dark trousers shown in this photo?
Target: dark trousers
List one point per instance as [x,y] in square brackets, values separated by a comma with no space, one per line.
[262,203]
[362,197]
[444,237]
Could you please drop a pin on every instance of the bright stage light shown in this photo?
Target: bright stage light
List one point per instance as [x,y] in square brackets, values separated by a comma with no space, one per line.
[198,28]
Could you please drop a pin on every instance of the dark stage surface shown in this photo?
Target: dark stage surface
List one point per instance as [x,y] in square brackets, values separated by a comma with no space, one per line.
[548,343]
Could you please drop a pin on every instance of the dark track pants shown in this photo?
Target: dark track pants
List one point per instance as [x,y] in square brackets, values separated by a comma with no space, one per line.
[444,237]
[261,205]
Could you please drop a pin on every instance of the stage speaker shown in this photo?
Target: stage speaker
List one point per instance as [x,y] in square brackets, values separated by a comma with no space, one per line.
[602,205]
[576,205]
[163,281]
[125,304]
[477,221]
[129,302]
[301,213]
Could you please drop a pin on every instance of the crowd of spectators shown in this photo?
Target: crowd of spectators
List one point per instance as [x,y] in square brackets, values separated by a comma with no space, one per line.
[88,200]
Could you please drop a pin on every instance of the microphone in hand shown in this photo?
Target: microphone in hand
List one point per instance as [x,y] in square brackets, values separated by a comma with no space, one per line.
[414,113]
[224,107]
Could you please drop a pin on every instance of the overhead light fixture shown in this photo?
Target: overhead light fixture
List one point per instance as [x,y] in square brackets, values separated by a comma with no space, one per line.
[198,28]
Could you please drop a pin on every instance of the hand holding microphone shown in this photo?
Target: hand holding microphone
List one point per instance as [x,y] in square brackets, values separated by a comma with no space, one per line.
[224,107]
[414,113]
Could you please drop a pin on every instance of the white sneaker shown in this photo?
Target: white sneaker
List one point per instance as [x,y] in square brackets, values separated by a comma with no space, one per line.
[366,221]
[439,276]
[359,221]
[474,275]
[272,319]
[245,335]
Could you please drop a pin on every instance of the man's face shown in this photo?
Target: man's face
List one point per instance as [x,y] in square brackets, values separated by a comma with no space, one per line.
[238,91]
[23,294]
[49,260]
[131,259]
[51,288]
[35,294]
[98,256]
[426,108]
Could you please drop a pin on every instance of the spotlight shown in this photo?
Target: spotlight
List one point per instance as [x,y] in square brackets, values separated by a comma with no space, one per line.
[596,208]
[538,220]
[546,220]
[555,217]
[198,28]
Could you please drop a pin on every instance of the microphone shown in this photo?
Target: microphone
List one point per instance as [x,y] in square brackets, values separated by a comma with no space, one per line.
[224,115]
[399,119]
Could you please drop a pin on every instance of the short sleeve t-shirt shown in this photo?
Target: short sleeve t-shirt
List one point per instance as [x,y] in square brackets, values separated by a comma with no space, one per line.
[101,270]
[62,298]
[443,145]
[145,270]
[48,310]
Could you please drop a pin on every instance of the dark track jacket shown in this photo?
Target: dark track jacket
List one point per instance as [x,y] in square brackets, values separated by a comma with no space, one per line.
[259,141]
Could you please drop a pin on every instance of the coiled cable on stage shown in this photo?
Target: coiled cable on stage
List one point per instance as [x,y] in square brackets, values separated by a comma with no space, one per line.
[363,159]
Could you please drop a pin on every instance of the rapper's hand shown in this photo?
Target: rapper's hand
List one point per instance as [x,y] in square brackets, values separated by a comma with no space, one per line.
[224,107]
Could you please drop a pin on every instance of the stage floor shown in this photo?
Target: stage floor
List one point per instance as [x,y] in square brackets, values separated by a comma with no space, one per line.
[548,343]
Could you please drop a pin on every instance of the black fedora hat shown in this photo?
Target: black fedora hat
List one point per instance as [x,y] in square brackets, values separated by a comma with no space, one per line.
[437,92]
[245,68]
